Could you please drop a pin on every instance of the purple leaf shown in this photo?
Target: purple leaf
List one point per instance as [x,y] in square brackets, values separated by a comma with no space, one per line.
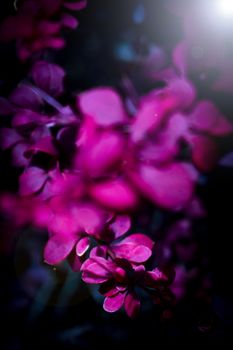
[6,107]
[27,118]
[48,77]
[9,137]
[25,97]
[32,180]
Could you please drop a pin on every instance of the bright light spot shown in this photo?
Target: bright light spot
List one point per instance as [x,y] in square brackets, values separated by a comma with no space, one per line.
[225,7]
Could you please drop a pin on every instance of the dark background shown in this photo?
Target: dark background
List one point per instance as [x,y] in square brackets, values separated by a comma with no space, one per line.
[42,308]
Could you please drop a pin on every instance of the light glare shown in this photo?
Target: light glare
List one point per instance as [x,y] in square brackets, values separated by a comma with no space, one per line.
[225,7]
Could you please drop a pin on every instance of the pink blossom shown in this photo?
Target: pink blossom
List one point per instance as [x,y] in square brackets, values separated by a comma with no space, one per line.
[118,280]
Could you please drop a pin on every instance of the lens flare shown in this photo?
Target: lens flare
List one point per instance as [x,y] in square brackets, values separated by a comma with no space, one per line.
[225,7]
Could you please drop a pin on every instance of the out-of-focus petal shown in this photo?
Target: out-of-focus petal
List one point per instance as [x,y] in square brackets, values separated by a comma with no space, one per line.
[149,117]
[58,248]
[170,187]
[75,5]
[204,152]
[183,91]
[120,225]
[114,194]
[132,304]
[9,137]
[103,105]
[179,57]
[69,21]
[207,118]
[101,153]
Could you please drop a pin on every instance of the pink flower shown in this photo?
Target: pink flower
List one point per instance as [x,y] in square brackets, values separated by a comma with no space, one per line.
[118,280]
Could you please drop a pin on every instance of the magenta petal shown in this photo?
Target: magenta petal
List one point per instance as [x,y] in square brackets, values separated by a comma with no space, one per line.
[120,225]
[82,246]
[114,303]
[132,304]
[170,187]
[103,105]
[32,180]
[48,77]
[140,239]
[133,252]
[157,275]
[115,194]
[99,251]
[206,117]
[58,248]
[97,270]
[149,117]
